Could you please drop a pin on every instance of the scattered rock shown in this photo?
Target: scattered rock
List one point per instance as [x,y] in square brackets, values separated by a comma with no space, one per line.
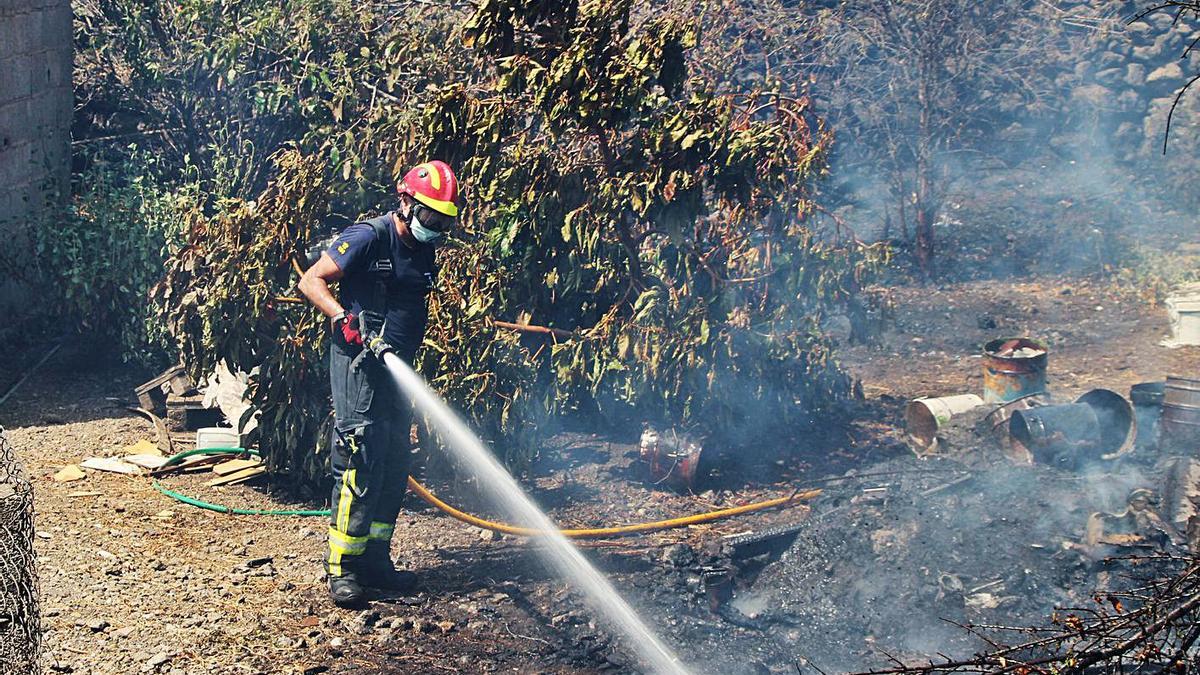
[1171,71]
[285,642]
[1135,74]
[97,625]
[363,622]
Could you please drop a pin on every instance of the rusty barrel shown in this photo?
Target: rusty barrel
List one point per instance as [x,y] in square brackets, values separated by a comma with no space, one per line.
[1179,425]
[1013,368]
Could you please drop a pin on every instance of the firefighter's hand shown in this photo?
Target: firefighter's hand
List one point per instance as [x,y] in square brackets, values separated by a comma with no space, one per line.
[347,324]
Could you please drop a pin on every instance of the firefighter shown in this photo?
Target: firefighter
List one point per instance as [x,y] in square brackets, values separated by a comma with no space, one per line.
[385,269]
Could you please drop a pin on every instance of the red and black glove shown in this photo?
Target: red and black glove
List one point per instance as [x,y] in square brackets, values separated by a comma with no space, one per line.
[347,324]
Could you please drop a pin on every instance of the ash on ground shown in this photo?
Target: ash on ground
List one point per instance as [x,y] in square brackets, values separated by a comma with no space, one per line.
[898,565]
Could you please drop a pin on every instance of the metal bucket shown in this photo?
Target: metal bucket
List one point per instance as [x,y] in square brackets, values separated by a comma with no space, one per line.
[924,416]
[998,422]
[1007,376]
[1058,435]
[671,458]
[1147,400]
[1179,425]
[1098,425]
[1118,424]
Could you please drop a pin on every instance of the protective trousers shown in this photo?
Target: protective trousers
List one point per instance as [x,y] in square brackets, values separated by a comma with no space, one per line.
[370,458]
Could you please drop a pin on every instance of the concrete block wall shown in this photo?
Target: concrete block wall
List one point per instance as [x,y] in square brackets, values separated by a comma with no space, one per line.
[36,101]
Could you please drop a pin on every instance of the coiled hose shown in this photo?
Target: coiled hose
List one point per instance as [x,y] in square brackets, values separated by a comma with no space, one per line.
[424,493]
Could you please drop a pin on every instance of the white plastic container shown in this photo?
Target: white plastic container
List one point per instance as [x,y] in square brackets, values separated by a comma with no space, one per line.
[1183,310]
[217,437]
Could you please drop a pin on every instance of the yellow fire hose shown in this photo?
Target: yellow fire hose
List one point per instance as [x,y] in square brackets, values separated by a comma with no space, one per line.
[424,493]
[621,530]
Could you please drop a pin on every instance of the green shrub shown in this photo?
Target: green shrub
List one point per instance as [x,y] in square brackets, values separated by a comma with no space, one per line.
[103,252]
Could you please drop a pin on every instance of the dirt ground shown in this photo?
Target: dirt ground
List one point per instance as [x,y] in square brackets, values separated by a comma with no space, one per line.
[135,582]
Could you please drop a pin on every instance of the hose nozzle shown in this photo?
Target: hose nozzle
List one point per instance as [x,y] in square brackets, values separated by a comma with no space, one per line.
[372,336]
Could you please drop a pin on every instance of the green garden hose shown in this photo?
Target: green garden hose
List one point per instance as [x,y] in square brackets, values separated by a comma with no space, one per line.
[228,509]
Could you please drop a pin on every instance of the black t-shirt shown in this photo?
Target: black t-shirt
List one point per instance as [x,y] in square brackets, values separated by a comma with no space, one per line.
[408,284]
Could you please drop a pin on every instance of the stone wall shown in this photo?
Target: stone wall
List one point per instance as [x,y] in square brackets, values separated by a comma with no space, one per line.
[1129,79]
[35,129]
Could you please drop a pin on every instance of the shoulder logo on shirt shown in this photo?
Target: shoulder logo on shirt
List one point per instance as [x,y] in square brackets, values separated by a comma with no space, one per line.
[343,247]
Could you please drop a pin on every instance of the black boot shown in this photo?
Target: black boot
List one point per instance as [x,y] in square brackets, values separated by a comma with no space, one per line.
[377,570]
[346,591]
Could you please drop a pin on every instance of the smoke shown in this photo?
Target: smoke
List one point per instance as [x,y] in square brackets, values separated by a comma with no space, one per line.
[901,571]
[1049,156]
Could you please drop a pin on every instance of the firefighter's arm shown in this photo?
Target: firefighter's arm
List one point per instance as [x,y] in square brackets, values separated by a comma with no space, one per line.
[315,285]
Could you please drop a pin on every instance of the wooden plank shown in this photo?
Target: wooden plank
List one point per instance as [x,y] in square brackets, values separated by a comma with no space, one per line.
[238,476]
[233,465]
[158,380]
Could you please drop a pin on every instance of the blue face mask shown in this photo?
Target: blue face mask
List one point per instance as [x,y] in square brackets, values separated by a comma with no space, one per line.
[421,233]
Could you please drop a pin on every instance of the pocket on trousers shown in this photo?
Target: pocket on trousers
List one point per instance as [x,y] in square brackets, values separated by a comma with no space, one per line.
[364,396]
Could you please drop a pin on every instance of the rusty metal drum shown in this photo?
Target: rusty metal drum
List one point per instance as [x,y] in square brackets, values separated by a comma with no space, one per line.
[1013,368]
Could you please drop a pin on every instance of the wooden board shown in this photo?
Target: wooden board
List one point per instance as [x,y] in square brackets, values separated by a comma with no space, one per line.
[238,476]
[234,465]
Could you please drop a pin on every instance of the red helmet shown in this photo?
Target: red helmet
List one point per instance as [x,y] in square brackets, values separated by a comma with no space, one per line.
[434,185]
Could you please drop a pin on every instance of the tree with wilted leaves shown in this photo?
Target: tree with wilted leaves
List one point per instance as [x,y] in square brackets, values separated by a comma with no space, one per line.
[655,222]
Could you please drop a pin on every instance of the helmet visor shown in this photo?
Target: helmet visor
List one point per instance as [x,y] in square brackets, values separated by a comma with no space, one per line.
[434,220]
